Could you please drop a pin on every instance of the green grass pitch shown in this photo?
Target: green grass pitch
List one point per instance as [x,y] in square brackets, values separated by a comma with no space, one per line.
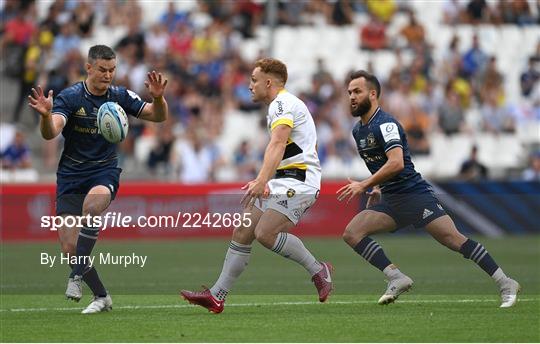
[274,300]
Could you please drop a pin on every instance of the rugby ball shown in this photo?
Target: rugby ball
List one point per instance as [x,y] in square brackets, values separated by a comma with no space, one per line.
[112,122]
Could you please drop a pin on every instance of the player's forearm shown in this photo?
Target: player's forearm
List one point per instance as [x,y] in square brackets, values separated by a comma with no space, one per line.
[160,109]
[389,170]
[47,127]
[272,158]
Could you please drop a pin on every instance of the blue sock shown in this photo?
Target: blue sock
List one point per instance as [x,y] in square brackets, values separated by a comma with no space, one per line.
[373,253]
[85,244]
[92,280]
[478,254]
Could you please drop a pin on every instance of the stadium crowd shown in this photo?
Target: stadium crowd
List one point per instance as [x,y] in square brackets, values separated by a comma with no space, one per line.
[198,50]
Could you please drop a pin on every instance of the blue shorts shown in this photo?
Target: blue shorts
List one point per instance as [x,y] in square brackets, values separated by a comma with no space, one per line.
[417,209]
[71,191]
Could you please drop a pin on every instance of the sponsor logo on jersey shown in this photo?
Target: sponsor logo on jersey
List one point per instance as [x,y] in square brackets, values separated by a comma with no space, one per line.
[389,131]
[427,213]
[81,112]
[371,140]
[291,193]
[279,107]
[284,204]
[362,143]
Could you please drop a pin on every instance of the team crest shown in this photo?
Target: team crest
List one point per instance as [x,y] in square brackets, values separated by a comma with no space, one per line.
[291,193]
[371,140]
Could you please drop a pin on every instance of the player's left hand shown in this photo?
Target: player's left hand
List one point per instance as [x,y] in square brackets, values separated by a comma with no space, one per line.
[350,190]
[155,84]
[256,190]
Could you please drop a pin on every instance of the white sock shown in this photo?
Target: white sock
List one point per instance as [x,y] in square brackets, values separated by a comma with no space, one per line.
[392,272]
[289,246]
[236,260]
[499,276]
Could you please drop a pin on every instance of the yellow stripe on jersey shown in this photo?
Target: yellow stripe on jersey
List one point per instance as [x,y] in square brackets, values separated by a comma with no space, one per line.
[300,166]
[280,121]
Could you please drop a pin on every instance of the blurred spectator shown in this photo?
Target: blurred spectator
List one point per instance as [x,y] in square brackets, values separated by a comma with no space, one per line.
[416,128]
[472,169]
[529,78]
[515,12]
[156,40]
[195,158]
[496,117]
[172,18]
[245,162]
[373,34]
[134,37]
[16,36]
[17,154]
[478,11]
[290,12]
[532,173]
[451,115]
[413,32]
[342,13]
[474,60]
[35,60]
[382,9]
[491,82]
[67,41]
[452,12]
[84,18]
[161,153]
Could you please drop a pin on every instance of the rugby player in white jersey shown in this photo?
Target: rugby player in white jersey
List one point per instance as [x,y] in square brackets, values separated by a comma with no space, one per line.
[286,186]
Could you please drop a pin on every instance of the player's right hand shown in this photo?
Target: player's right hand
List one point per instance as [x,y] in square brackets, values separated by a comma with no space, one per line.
[374,197]
[39,102]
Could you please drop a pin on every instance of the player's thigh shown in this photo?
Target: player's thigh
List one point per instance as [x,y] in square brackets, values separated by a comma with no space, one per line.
[97,200]
[68,235]
[368,222]
[271,223]
[444,230]
[245,234]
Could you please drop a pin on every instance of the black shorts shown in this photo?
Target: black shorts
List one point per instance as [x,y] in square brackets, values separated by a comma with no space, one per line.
[70,192]
[417,209]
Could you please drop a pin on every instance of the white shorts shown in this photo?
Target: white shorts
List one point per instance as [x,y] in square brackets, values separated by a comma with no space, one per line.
[290,197]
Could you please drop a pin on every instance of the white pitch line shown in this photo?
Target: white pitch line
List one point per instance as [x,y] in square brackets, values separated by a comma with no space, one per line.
[256,304]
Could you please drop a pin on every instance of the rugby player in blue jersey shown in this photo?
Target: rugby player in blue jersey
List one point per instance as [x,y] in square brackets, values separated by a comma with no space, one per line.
[88,173]
[399,196]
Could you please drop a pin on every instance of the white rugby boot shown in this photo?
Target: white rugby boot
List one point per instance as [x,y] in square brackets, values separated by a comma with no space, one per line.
[395,288]
[99,304]
[509,292]
[74,288]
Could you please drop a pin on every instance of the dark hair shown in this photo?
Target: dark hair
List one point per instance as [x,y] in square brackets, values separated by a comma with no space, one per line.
[100,52]
[371,80]
[274,67]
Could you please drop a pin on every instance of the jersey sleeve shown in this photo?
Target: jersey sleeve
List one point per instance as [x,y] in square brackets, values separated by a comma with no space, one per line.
[62,106]
[131,102]
[280,113]
[389,136]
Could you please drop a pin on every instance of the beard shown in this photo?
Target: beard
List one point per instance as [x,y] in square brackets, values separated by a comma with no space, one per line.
[362,108]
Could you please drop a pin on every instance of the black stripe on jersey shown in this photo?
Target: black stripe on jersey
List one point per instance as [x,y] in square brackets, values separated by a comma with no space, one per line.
[291,150]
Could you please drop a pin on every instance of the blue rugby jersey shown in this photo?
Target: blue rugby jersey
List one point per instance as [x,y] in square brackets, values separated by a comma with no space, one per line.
[382,133]
[85,150]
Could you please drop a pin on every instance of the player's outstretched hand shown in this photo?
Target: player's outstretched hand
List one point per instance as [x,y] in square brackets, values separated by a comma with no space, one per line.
[155,84]
[374,197]
[350,190]
[39,102]
[255,190]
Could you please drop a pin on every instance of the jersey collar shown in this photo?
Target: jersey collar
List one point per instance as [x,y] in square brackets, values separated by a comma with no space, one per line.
[373,117]
[88,93]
